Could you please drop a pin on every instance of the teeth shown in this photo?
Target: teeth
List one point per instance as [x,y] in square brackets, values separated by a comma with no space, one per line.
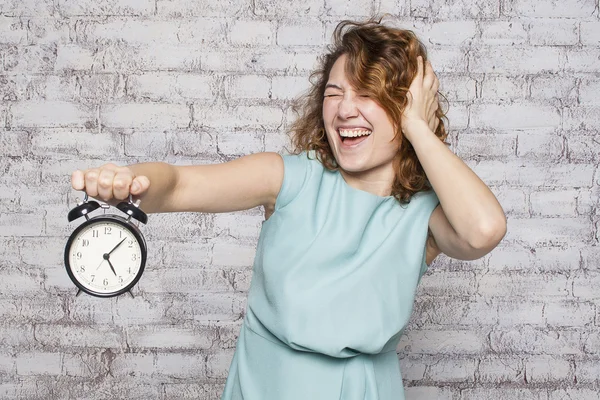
[354,132]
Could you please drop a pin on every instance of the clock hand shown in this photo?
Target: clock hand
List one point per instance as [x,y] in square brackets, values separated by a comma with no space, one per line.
[110,252]
[111,267]
[100,264]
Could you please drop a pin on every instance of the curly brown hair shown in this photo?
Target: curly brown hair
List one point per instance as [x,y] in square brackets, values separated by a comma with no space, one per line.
[382,62]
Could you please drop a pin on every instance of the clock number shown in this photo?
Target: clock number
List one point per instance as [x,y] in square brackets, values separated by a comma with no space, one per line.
[93,276]
[133,257]
[129,270]
[130,242]
[82,268]
[107,230]
[120,234]
[120,279]
[85,243]
[95,233]
[105,281]
[78,255]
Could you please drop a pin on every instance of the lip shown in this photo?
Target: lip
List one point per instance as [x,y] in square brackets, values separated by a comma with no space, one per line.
[344,146]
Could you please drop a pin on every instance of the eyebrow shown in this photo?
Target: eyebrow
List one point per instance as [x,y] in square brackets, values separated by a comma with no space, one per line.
[331,85]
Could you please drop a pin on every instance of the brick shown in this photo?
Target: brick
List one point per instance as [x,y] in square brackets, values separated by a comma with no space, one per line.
[207,391]
[574,393]
[584,284]
[73,57]
[586,202]
[550,231]
[554,203]
[511,258]
[503,87]
[517,115]
[504,394]
[105,7]
[274,8]
[428,392]
[412,369]
[501,369]
[588,90]
[75,142]
[126,387]
[586,371]
[14,143]
[512,313]
[307,33]
[12,30]
[515,59]
[548,87]
[458,117]
[43,30]
[344,8]
[590,33]
[549,8]
[590,256]
[22,8]
[239,116]
[288,87]
[183,280]
[448,283]
[192,142]
[179,9]
[510,33]
[454,311]
[169,337]
[443,341]
[440,9]
[233,254]
[457,87]
[540,146]
[33,59]
[207,307]
[547,369]
[79,336]
[446,33]
[179,225]
[16,335]
[452,370]
[52,114]
[39,363]
[448,59]
[582,60]
[581,117]
[146,143]
[166,86]
[486,146]
[569,313]
[553,32]
[531,286]
[19,281]
[251,33]
[133,364]
[217,365]
[394,7]
[238,225]
[152,57]
[248,87]
[529,340]
[513,201]
[181,365]
[147,115]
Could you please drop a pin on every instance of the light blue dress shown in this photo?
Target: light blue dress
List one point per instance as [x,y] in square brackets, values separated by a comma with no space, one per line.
[333,287]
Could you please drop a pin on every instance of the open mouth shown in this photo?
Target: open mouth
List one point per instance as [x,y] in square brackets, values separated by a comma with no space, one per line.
[354,136]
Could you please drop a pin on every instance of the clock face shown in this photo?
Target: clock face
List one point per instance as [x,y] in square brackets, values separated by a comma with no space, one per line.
[105,257]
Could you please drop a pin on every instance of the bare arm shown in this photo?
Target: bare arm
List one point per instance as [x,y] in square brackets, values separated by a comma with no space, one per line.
[246,182]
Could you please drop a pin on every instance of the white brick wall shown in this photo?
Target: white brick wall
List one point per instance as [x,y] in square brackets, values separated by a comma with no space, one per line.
[87,82]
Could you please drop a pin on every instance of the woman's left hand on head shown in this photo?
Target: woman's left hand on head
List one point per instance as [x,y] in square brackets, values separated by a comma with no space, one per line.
[423,100]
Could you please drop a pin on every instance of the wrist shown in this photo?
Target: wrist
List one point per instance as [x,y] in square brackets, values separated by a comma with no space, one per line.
[415,127]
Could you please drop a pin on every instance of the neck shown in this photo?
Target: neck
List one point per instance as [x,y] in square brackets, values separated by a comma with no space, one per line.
[377,181]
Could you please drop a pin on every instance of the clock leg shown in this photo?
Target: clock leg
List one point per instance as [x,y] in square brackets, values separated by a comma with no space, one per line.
[131,294]
[78,292]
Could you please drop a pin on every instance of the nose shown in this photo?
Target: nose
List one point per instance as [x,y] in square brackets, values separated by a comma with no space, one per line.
[347,107]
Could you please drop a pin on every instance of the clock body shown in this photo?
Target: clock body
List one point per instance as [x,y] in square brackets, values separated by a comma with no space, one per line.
[105,256]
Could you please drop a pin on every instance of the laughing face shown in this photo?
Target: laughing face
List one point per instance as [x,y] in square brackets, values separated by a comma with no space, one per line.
[360,133]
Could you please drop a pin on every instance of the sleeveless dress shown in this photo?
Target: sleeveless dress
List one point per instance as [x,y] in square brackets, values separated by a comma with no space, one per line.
[333,287]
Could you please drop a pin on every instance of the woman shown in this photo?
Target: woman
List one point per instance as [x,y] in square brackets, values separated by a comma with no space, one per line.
[346,237]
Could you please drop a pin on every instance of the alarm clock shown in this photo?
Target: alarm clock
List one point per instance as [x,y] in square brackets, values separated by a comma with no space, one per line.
[105,255]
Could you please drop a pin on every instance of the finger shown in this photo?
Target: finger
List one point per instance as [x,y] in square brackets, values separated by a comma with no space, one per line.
[121,183]
[106,178]
[429,76]
[140,185]
[436,85]
[77,180]
[90,178]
